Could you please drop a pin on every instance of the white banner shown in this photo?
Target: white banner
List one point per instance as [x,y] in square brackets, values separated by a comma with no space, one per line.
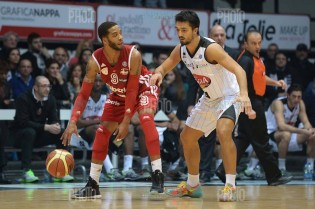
[154,27]
[285,30]
[51,21]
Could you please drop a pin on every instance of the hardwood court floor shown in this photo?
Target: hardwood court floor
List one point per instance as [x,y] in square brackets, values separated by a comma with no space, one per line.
[134,195]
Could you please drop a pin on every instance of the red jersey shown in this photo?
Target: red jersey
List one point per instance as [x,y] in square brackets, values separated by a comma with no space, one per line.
[116,77]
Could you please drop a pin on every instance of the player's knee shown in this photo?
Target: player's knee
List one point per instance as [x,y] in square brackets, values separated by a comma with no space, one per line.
[223,132]
[285,137]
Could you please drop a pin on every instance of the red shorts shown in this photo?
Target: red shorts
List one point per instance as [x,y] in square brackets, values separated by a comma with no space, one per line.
[114,109]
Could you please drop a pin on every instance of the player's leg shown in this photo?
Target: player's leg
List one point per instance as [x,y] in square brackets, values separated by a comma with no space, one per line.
[282,138]
[310,149]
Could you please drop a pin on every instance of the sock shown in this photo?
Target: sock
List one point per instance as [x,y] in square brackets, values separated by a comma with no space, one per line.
[144,162]
[281,162]
[311,161]
[95,172]
[230,179]
[107,164]
[193,180]
[156,165]
[218,162]
[127,162]
[252,163]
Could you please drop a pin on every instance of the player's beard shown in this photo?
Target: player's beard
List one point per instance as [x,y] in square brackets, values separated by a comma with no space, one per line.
[185,41]
[114,46]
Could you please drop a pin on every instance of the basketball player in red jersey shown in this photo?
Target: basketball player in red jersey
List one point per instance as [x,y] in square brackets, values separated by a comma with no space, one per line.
[120,67]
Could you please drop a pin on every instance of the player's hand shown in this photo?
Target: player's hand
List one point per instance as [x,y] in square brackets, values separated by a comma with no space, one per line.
[246,105]
[71,129]
[156,79]
[122,131]
[251,115]
[282,84]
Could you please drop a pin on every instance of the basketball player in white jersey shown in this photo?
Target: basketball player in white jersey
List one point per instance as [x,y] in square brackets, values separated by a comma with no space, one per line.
[282,116]
[225,93]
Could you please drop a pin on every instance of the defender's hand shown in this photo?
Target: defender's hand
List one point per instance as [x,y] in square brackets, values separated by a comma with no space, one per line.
[246,105]
[156,79]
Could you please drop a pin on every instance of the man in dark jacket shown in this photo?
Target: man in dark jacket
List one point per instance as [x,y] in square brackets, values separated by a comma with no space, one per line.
[36,123]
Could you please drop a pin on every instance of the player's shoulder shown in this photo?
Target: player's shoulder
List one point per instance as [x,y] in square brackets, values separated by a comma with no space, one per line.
[205,41]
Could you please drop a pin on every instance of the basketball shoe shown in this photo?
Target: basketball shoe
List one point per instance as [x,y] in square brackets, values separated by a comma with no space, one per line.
[157,178]
[228,194]
[29,177]
[90,191]
[183,191]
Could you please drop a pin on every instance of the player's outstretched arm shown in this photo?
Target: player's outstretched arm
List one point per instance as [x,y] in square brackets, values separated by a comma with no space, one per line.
[168,65]
[81,100]
[215,53]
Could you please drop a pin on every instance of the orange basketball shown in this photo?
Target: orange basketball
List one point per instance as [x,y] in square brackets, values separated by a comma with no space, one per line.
[59,163]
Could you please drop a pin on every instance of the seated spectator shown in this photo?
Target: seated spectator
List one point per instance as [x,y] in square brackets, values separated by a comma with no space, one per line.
[309,99]
[84,58]
[61,55]
[75,77]
[13,59]
[281,71]
[83,44]
[37,53]
[36,124]
[59,85]
[22,80]
[282,117]
[5,102]
[10,40]
[303,71]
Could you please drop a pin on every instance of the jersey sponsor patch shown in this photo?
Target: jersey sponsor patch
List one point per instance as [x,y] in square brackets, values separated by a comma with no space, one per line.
[203,81]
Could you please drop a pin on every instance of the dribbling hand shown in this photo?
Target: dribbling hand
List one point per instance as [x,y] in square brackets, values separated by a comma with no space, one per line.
[66,136]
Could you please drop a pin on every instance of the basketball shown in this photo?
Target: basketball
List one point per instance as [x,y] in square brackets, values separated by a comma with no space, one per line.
[59,163]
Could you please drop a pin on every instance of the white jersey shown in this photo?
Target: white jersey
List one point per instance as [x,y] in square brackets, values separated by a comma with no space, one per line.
[290,116]
[218,81]
[94,110]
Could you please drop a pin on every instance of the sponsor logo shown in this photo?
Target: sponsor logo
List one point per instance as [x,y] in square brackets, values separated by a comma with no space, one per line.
[144,100]
[124,63]
[124,71]
[117,90]
[203,81]
[112,102]
[123,80]
[104,69]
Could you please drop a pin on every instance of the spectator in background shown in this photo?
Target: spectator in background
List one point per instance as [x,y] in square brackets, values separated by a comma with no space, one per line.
[22,80]
[309,100]
[281,71]
[59,85]
[139,48]
[75,77]
[173,88]
[303,71]
[269,60]
[10,40]
[150,3]
[84,58]
[36,124]
[83,44]
[5,102]
[13,58]
[37,54]
[61,55]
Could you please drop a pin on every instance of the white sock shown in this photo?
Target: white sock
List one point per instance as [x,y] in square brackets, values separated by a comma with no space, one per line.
[230,179]
[156,165]
[311,161]
[281,162]
[193,180]
[95,172]
[218,162]
[252,163]
[144,161]
[127,162]
[107,164]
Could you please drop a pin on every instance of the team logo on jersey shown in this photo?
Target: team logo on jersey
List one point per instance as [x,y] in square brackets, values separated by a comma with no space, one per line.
[104,69]
[124,71]
[124,63]
[203,81]
[114,78]
[200,56]
[144,100]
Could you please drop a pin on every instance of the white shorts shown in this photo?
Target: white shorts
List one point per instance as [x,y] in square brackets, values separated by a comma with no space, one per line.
[205,114]
[294,146]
